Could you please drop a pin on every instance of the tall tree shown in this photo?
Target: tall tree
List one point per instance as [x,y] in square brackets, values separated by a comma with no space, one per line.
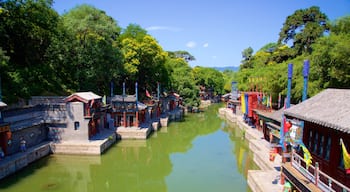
[182,80]
[95,48]
[144,59]
[303,27]
[247,55]
[26,30]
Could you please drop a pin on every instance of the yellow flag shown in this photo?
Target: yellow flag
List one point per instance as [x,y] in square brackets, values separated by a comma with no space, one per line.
[346,157]
[242,103]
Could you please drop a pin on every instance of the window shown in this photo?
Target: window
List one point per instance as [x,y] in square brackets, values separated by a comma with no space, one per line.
[76,125]
[328,148]
[320,149]
[314,147]
[310,139]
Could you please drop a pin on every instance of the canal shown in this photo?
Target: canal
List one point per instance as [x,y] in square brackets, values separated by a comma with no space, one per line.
[201,153]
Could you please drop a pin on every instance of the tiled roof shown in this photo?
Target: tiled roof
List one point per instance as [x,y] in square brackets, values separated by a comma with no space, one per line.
[330,108]
[84,96]
[2,104]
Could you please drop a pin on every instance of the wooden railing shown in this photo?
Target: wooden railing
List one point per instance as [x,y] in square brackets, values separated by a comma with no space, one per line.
[314,174]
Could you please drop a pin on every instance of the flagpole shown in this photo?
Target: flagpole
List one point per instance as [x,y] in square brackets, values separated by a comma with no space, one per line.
[306,76]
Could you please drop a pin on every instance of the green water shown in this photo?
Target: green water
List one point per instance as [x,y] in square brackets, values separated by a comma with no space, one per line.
[202,153]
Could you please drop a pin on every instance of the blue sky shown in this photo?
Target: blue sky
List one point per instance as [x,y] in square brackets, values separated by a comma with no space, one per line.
[214,32]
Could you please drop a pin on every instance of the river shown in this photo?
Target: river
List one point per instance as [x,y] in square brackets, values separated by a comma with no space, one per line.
[202,153]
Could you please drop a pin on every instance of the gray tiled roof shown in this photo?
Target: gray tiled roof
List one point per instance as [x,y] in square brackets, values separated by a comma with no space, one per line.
[126,98]
[330,108]
[2,104]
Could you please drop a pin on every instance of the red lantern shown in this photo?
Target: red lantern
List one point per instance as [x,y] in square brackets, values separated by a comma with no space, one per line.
[287,126]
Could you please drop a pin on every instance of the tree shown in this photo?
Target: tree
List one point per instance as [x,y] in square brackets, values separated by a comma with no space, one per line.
[303,28]
[341,25]
[94,47]
[210,78]
[331,61]
[181,54]
[26,31]
[182,80]
[247,55]
[143,58]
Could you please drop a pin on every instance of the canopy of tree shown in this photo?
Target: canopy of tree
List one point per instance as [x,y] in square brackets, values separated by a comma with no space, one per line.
[43,53]
[324,43]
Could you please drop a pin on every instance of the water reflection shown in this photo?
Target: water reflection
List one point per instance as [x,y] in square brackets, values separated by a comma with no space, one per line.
[202,153]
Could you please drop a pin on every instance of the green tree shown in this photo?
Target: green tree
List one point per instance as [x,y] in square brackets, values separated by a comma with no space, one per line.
[181,54]
[26,30]
[94,48]
[247,56]
[144,59]
[210,78]
[331,61]
[182,80]
[302,28]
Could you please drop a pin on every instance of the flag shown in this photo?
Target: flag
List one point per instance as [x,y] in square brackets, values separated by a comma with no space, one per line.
[147,94]
[346,157]
[307,155]
[243,103]
[279,101]
[104,100]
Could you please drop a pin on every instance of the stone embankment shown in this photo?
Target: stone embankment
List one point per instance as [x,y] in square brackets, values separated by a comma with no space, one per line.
[268,178]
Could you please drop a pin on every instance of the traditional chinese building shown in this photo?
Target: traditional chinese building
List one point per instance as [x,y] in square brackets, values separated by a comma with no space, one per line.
[5,132]
[84,117]
[127,111]
[320,122]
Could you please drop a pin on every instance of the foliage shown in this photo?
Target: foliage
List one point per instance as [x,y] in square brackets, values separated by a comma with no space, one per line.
[209,78]
[247,55]
[26,31]
[143,59]
[331,59]
[182,80]
[328,56]
[303,28]
[181,54]
[94,48]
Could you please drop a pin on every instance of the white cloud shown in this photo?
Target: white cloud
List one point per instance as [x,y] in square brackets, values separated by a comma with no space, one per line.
[165,28]
[205,45]
[191,44]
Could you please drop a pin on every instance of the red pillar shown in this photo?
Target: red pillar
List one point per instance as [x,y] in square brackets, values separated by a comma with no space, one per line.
[137,119]
[124,118]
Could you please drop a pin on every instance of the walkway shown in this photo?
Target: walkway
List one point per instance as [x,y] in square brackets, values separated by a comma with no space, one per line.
[268,178]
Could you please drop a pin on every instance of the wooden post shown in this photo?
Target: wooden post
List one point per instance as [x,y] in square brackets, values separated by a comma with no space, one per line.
[316,173]
[124,118]
[137,119]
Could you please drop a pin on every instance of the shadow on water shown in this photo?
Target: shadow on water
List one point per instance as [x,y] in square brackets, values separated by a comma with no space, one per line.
[201,153]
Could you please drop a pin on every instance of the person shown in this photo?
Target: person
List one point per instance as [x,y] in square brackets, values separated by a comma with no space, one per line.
[23,145]
[2,154]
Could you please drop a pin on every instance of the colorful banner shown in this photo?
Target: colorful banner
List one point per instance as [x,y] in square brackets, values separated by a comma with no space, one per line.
[346,157]
[243,103]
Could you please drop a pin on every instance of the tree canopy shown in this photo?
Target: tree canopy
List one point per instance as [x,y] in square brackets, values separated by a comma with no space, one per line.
[303,28]
[328,55]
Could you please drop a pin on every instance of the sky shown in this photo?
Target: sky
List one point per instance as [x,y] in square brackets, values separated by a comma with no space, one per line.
[214,32]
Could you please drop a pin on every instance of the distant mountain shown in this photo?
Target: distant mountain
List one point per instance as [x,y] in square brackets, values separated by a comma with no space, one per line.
[232,68]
